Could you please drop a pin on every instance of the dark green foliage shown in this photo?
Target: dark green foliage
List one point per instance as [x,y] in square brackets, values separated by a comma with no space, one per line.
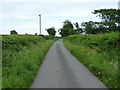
[67,29]
[13,32]
[51,31]
[110,15]
[78,29]
[35,34]
[89,27]
[77,25]
[98,27]
[109,22]
[110,18]
[68,24]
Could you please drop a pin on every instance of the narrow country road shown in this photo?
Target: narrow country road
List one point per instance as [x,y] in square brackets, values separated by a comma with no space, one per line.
[60,69]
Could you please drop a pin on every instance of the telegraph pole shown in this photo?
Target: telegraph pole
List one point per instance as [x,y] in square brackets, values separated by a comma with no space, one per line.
[40,22]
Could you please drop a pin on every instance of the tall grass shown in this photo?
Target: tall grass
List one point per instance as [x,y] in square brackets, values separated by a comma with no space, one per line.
[99,53]
[22,57]
[0,61]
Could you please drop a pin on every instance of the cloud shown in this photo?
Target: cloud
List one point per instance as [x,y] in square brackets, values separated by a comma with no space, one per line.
[119,5]
[3,15]
[15,16]
[75,13]
[22,29]
[27,11]
[29,28]
[23,16]
[107,7]
[59,1]
[20,17]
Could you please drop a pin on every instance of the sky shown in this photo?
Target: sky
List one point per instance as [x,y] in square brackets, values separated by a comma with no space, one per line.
[23,15]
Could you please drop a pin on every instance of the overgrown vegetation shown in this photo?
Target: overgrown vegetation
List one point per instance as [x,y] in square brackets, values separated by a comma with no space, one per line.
[99,53]
[22,56]
[0,61]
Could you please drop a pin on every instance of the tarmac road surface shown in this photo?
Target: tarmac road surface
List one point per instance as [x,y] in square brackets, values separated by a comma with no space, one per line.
[60,69]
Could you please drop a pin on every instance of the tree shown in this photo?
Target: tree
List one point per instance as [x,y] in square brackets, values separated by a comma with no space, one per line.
[51,31]
[78,29]
[13,32]
[93,27]
[110,18]
[110,15]
[35,34]
[77,25]
[67,24]
[67,29]
[88,27]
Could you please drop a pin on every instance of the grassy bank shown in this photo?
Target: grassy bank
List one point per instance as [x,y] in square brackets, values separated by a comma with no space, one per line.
[0,61]
[99,53]
[22,56]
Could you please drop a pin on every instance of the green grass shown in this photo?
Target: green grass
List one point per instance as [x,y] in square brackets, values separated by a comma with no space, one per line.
[0,61]
[99,53]
[22,56]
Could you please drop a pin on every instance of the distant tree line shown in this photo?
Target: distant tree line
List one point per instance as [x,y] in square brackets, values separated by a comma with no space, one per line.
[14,32]
[110,22]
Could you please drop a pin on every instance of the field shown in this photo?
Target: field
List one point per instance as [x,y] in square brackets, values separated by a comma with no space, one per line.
[22,56]
[99,53]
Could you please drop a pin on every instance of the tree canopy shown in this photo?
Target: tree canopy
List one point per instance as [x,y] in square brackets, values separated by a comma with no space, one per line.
[13,32]
[67,29]
[110,22]
[78,29]
[51,31]
[110,15]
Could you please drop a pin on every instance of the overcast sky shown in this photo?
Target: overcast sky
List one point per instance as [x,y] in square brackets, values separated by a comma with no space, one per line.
[22,15]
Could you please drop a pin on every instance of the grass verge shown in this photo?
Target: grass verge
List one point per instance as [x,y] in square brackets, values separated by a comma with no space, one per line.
[20,66]
[98,61]
[0,62]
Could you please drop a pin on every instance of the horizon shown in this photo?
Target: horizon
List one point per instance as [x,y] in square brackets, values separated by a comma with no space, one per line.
[23,15]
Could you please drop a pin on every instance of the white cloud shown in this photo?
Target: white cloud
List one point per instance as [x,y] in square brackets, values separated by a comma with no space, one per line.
[76,13]
[29,11]
[119,5]
[21,29]
[59,0]
[19,17]
[15,16]
[23,17]
[3,15]
[107,7]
